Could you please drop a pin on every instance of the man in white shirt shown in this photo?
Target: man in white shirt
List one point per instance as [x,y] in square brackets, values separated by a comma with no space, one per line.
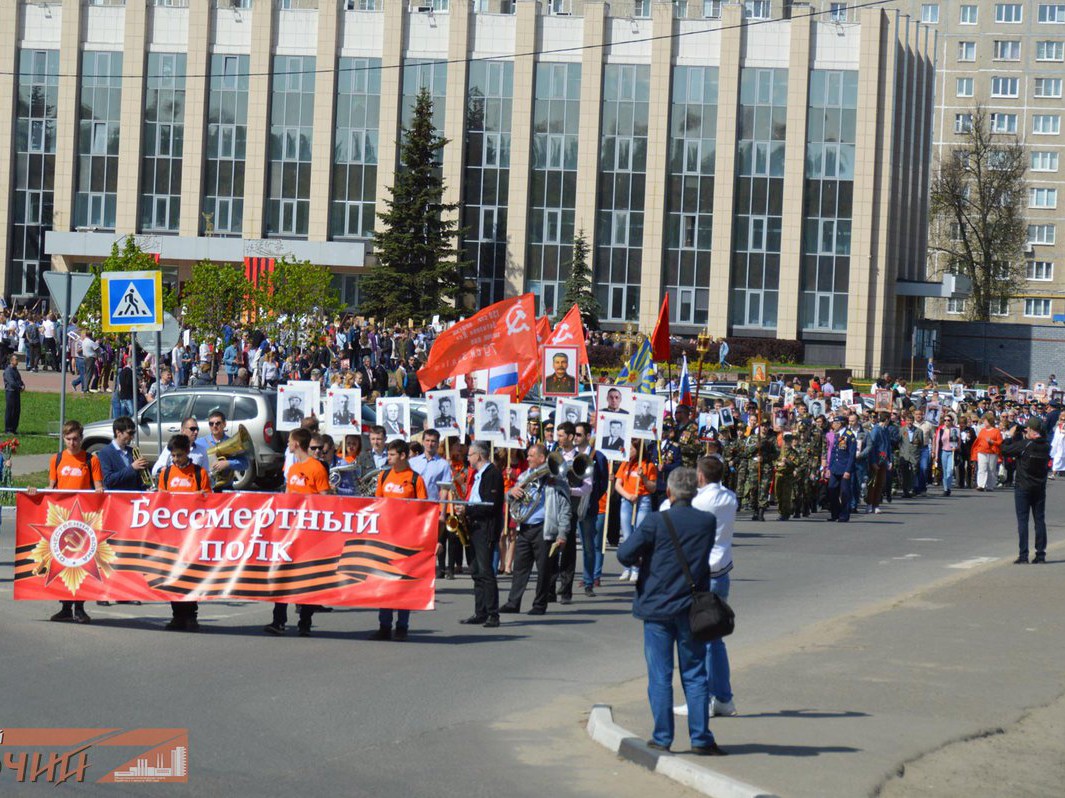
[190,428]
[430,466]
[51,354]
[715,498]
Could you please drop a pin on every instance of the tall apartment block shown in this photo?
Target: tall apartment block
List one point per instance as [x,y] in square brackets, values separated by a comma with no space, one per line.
[764,163]
[1010,59]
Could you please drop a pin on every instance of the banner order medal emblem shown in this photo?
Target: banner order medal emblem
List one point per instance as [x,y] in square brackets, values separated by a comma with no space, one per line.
[73,546]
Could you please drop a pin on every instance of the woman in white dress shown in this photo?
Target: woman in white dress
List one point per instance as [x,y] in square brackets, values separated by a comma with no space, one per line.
[1057,448]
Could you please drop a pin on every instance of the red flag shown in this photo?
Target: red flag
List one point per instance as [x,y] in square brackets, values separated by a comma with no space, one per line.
[660,337]
[500,334]
[570,332]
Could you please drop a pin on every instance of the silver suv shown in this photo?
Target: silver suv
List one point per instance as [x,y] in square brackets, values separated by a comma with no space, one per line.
[252,407]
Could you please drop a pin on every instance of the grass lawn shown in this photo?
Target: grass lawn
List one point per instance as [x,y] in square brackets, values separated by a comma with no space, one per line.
[38,429]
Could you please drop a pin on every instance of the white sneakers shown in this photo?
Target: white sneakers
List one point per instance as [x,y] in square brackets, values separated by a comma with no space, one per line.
[624,577]
[722,708]
[717,709]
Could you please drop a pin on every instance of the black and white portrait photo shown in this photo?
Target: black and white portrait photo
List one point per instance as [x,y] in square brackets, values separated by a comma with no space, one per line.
[613,433]
[343,410]
[491,414]
[571,410]
[393,413]
[614,399]
[446,413]
[647,416]
[295,401]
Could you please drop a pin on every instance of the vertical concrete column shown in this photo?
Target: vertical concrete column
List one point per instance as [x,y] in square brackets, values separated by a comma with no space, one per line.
[654,225]
[134,58]
[395,39]
[728,104]
[256,166]
[870,214]
[66,161]
[9,16]
[197,86]
[458,50]
[325,92]
[794,176]
[521,121]
[589,137]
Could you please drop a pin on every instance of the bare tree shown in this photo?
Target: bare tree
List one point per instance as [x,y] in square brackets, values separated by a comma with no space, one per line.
[977,207]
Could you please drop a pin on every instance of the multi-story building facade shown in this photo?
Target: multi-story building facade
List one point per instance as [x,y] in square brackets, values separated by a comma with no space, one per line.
[1010,59]
[763,164]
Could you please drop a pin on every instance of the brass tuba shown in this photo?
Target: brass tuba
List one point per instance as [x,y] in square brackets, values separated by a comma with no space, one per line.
[336,473]
[529,482]
[366,486]
[233,446]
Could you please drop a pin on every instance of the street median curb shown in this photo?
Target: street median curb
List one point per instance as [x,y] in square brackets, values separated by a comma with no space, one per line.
[603,730]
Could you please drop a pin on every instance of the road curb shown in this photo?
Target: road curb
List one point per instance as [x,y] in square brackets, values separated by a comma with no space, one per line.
[603,730]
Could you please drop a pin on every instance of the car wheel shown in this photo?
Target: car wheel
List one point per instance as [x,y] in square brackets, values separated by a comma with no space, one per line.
[243,480]
[95,446]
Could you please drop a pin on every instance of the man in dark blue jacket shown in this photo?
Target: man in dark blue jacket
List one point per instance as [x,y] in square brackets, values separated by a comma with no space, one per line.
[591,524]
[663,600]
[121,470]
[841,459]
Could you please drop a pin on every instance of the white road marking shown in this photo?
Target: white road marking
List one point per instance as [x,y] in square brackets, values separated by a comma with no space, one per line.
[926,540]
[907,557]
[964,565]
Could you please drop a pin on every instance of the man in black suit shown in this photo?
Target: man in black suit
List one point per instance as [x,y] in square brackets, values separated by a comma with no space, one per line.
[485,524]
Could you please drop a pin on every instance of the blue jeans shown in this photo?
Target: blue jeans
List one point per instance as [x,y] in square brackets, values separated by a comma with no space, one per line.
[659,637]
[591,527]
[946,463]
[384,618]
[1034,502]
[80,379]
[718,675]
[924,462]
[643,507]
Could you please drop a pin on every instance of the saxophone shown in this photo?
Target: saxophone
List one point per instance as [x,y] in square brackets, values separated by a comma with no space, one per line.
[455,523]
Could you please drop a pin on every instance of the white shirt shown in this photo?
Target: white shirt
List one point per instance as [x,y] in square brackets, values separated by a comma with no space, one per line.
[198,455]
[715,498]
[48,329]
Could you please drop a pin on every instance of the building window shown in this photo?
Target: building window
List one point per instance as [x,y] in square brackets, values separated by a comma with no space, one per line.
[1007,50]
[1047,87]
[1042,198]
[355,146]
[1044,161]
[1004,87]
[1046,124]
[963,123]
[930,13]
[1050,51]
[291,133]
[712,9]
[955,306]
[1053,13]
[964,87]
[1009,12]
[1040,271]
[163,142]
[966,51]
[969,15]
[1003,123]
[1037,308]
[95,202]
[641,9]
[999,307]
[562,8]
[227,133]
[757,9]
[1041,234]
[837,12]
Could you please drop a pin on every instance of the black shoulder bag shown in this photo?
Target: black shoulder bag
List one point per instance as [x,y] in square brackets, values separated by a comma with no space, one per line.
[710,616]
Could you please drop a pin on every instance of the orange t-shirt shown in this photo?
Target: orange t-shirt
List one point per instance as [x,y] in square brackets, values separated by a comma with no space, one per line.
[629,474]
[400,485]
[74,472]
[310,476]
[190,479]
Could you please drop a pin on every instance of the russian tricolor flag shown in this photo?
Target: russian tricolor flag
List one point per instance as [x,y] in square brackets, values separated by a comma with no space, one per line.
[503,379]
[685,385]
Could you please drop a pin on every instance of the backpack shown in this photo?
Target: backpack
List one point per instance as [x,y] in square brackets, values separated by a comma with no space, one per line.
[413,479]
[196,471]
[88,462]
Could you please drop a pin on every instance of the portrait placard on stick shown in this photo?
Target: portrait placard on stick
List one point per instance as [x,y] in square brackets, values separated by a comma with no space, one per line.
[490,414]
[343,411]
[559,371]
[613,432]
[446,413]
[393,413]
[647,416]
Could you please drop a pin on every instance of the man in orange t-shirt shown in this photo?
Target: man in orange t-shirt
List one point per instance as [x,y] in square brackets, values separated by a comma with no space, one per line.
[183,476]
[73,469]
[306,476]
[398,481]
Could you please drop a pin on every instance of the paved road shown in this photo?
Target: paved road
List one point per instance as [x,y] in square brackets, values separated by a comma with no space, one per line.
[453,711]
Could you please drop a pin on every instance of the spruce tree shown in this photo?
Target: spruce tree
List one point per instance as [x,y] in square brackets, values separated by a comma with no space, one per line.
[578,286]
[419,267]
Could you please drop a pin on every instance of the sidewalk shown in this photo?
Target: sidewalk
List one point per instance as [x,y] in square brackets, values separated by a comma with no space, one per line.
[851,707]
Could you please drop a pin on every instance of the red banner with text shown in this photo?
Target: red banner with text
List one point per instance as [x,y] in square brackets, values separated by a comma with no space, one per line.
[330,550]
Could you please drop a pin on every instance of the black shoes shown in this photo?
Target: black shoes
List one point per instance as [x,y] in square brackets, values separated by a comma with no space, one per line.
[64,615]
[533,611]
[274,629]
[304,628]
[80,617]
[657,746]
[400,634]
[384,633]
[509,608]
[589,592]
[1022,560]
[1039,558]
[176,625]
[492,622]
[474,620]
[565,600]
[709,750]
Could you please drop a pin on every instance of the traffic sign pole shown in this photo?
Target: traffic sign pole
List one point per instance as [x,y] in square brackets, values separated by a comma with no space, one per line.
[159,387]
[65,310]
[136,424]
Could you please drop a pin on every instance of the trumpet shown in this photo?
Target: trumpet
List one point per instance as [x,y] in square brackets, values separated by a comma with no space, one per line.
[146,475]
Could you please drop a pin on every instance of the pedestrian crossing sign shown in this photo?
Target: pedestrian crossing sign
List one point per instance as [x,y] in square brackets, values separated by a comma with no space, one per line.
[132,301]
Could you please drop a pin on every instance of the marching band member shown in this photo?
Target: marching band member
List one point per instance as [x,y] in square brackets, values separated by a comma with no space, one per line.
[190,428]
[485,523]
[216,423]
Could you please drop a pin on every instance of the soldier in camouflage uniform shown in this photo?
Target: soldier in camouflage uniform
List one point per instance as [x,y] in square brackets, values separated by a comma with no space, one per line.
[788,470]
[688,437]
[759,451]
